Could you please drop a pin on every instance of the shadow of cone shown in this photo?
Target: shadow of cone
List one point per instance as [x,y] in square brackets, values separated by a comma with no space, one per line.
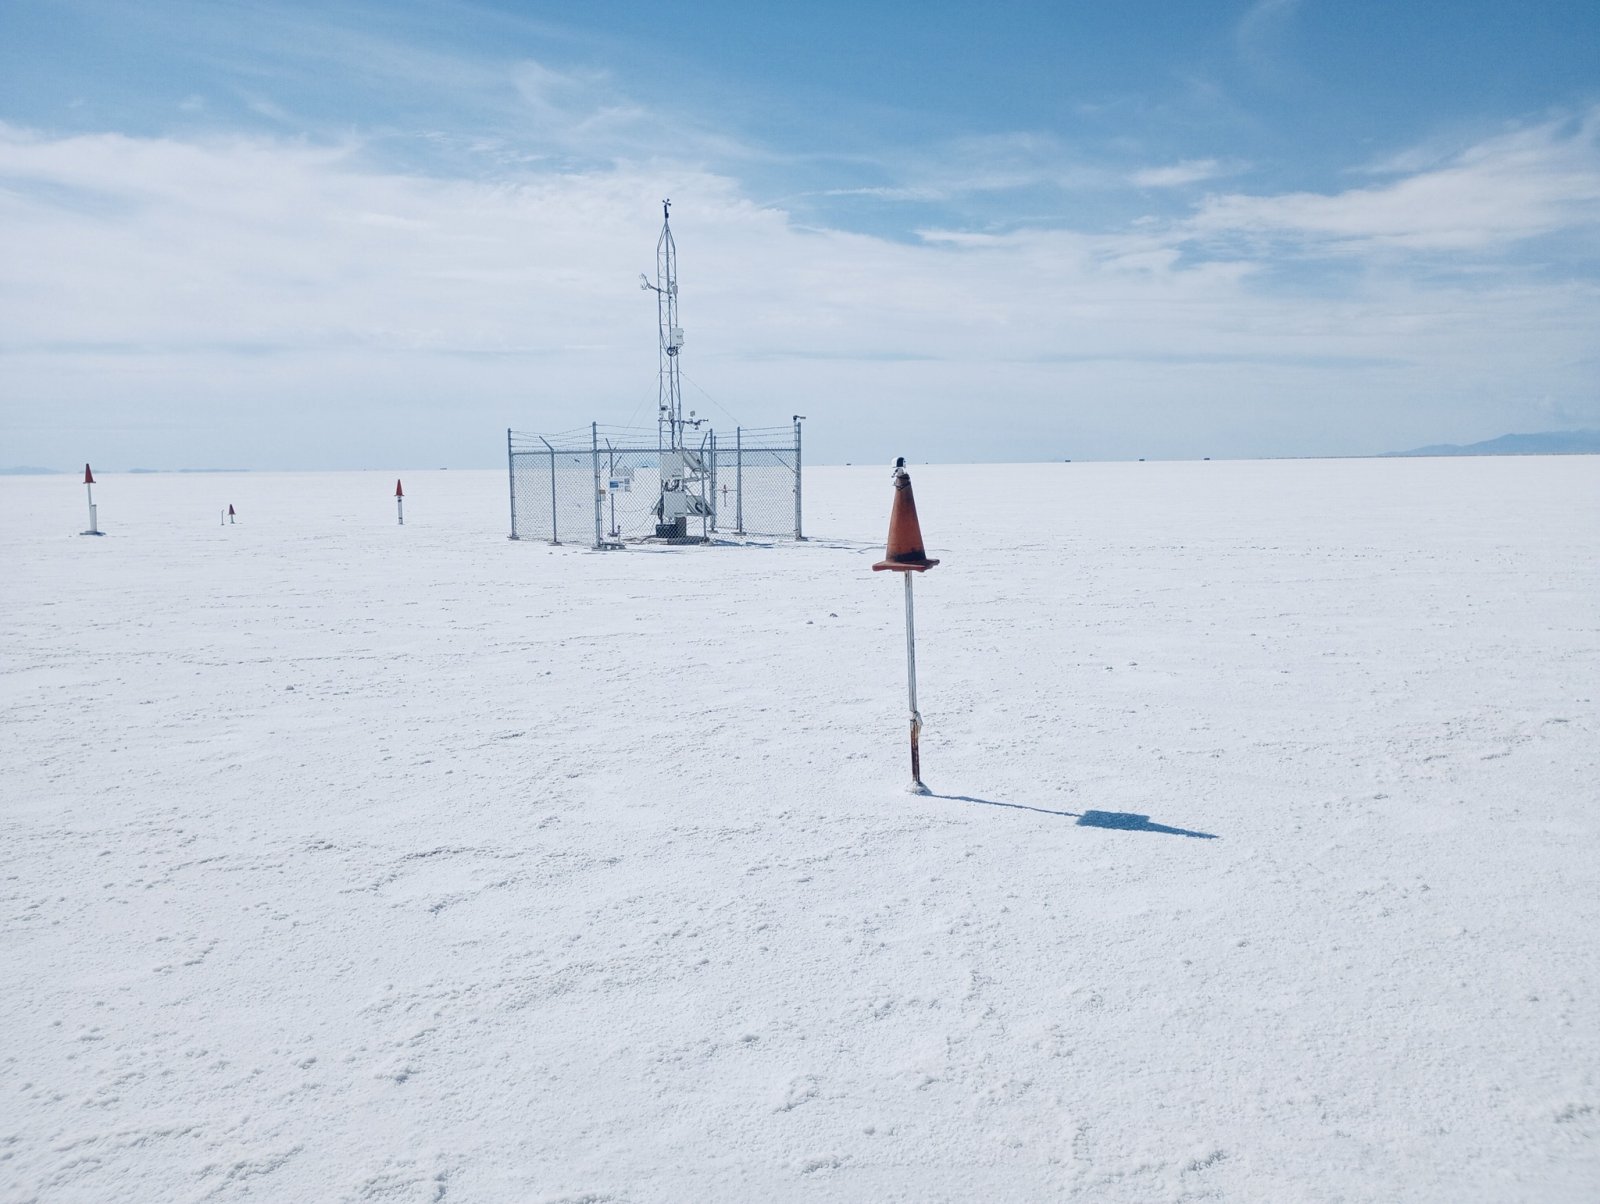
[904,553]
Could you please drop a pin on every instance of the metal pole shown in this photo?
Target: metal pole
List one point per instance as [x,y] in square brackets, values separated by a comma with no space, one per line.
[712,439]
[917,786]
[400,510]
[611,475]
[738,479]
[94,526]
[797,533]
[599,512]
[511,472]
[554,536]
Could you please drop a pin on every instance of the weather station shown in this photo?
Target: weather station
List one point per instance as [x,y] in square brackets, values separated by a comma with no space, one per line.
[612,486]
[685,475]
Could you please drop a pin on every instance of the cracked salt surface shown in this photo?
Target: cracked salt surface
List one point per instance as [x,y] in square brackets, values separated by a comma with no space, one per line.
[350,862]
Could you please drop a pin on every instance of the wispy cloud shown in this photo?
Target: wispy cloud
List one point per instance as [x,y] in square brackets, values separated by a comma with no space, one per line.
[329,271]
[889,193]
[978,175]
[298,247]
[264,106]
[262,270]
[1262,33]
[1522,184]
[1189,171]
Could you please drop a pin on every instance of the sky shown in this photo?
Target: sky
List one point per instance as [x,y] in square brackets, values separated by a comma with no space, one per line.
[363,235]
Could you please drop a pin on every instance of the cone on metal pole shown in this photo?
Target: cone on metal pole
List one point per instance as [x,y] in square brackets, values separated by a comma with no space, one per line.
[230,513]
[905,554]
[399,502]
[94,513]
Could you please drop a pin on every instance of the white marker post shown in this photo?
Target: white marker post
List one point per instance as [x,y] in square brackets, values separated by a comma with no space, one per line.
[94,513]
[399,503]
[917,786]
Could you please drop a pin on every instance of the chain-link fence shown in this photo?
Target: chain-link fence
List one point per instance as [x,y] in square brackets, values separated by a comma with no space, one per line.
[607,486]
[758,480]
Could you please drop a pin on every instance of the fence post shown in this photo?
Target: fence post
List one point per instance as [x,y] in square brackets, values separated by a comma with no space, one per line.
[738,480]
[611,475]
[797,533]
[511,471]
[594,454]
[555,539]
[713,439]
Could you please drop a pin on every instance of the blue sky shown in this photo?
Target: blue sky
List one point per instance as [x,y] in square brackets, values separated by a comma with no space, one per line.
[373,235]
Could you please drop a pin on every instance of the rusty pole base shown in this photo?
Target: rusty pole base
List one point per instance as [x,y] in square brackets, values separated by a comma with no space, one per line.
[918,786]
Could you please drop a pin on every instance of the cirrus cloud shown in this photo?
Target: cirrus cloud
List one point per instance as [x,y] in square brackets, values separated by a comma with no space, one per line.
[1518,185]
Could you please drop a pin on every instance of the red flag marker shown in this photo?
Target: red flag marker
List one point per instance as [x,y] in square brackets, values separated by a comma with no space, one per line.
[94,514]
[400,503]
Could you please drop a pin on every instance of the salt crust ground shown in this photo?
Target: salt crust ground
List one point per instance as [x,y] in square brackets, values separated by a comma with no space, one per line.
[346,862]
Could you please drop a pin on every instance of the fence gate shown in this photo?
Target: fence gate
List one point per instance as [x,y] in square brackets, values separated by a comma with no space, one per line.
[605,487]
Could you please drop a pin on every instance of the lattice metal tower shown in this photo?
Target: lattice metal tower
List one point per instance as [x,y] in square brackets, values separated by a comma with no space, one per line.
[669,411]
[685,472]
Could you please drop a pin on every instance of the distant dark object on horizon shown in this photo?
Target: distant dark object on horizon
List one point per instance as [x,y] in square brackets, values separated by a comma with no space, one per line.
[1544,443]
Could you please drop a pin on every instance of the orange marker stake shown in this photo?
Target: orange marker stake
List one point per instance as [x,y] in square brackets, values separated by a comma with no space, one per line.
[905,554]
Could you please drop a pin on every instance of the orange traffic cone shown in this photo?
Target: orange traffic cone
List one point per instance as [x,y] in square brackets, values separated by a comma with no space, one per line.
[904,553]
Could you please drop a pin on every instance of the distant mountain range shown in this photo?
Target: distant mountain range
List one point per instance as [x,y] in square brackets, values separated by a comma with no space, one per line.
[1544,443]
